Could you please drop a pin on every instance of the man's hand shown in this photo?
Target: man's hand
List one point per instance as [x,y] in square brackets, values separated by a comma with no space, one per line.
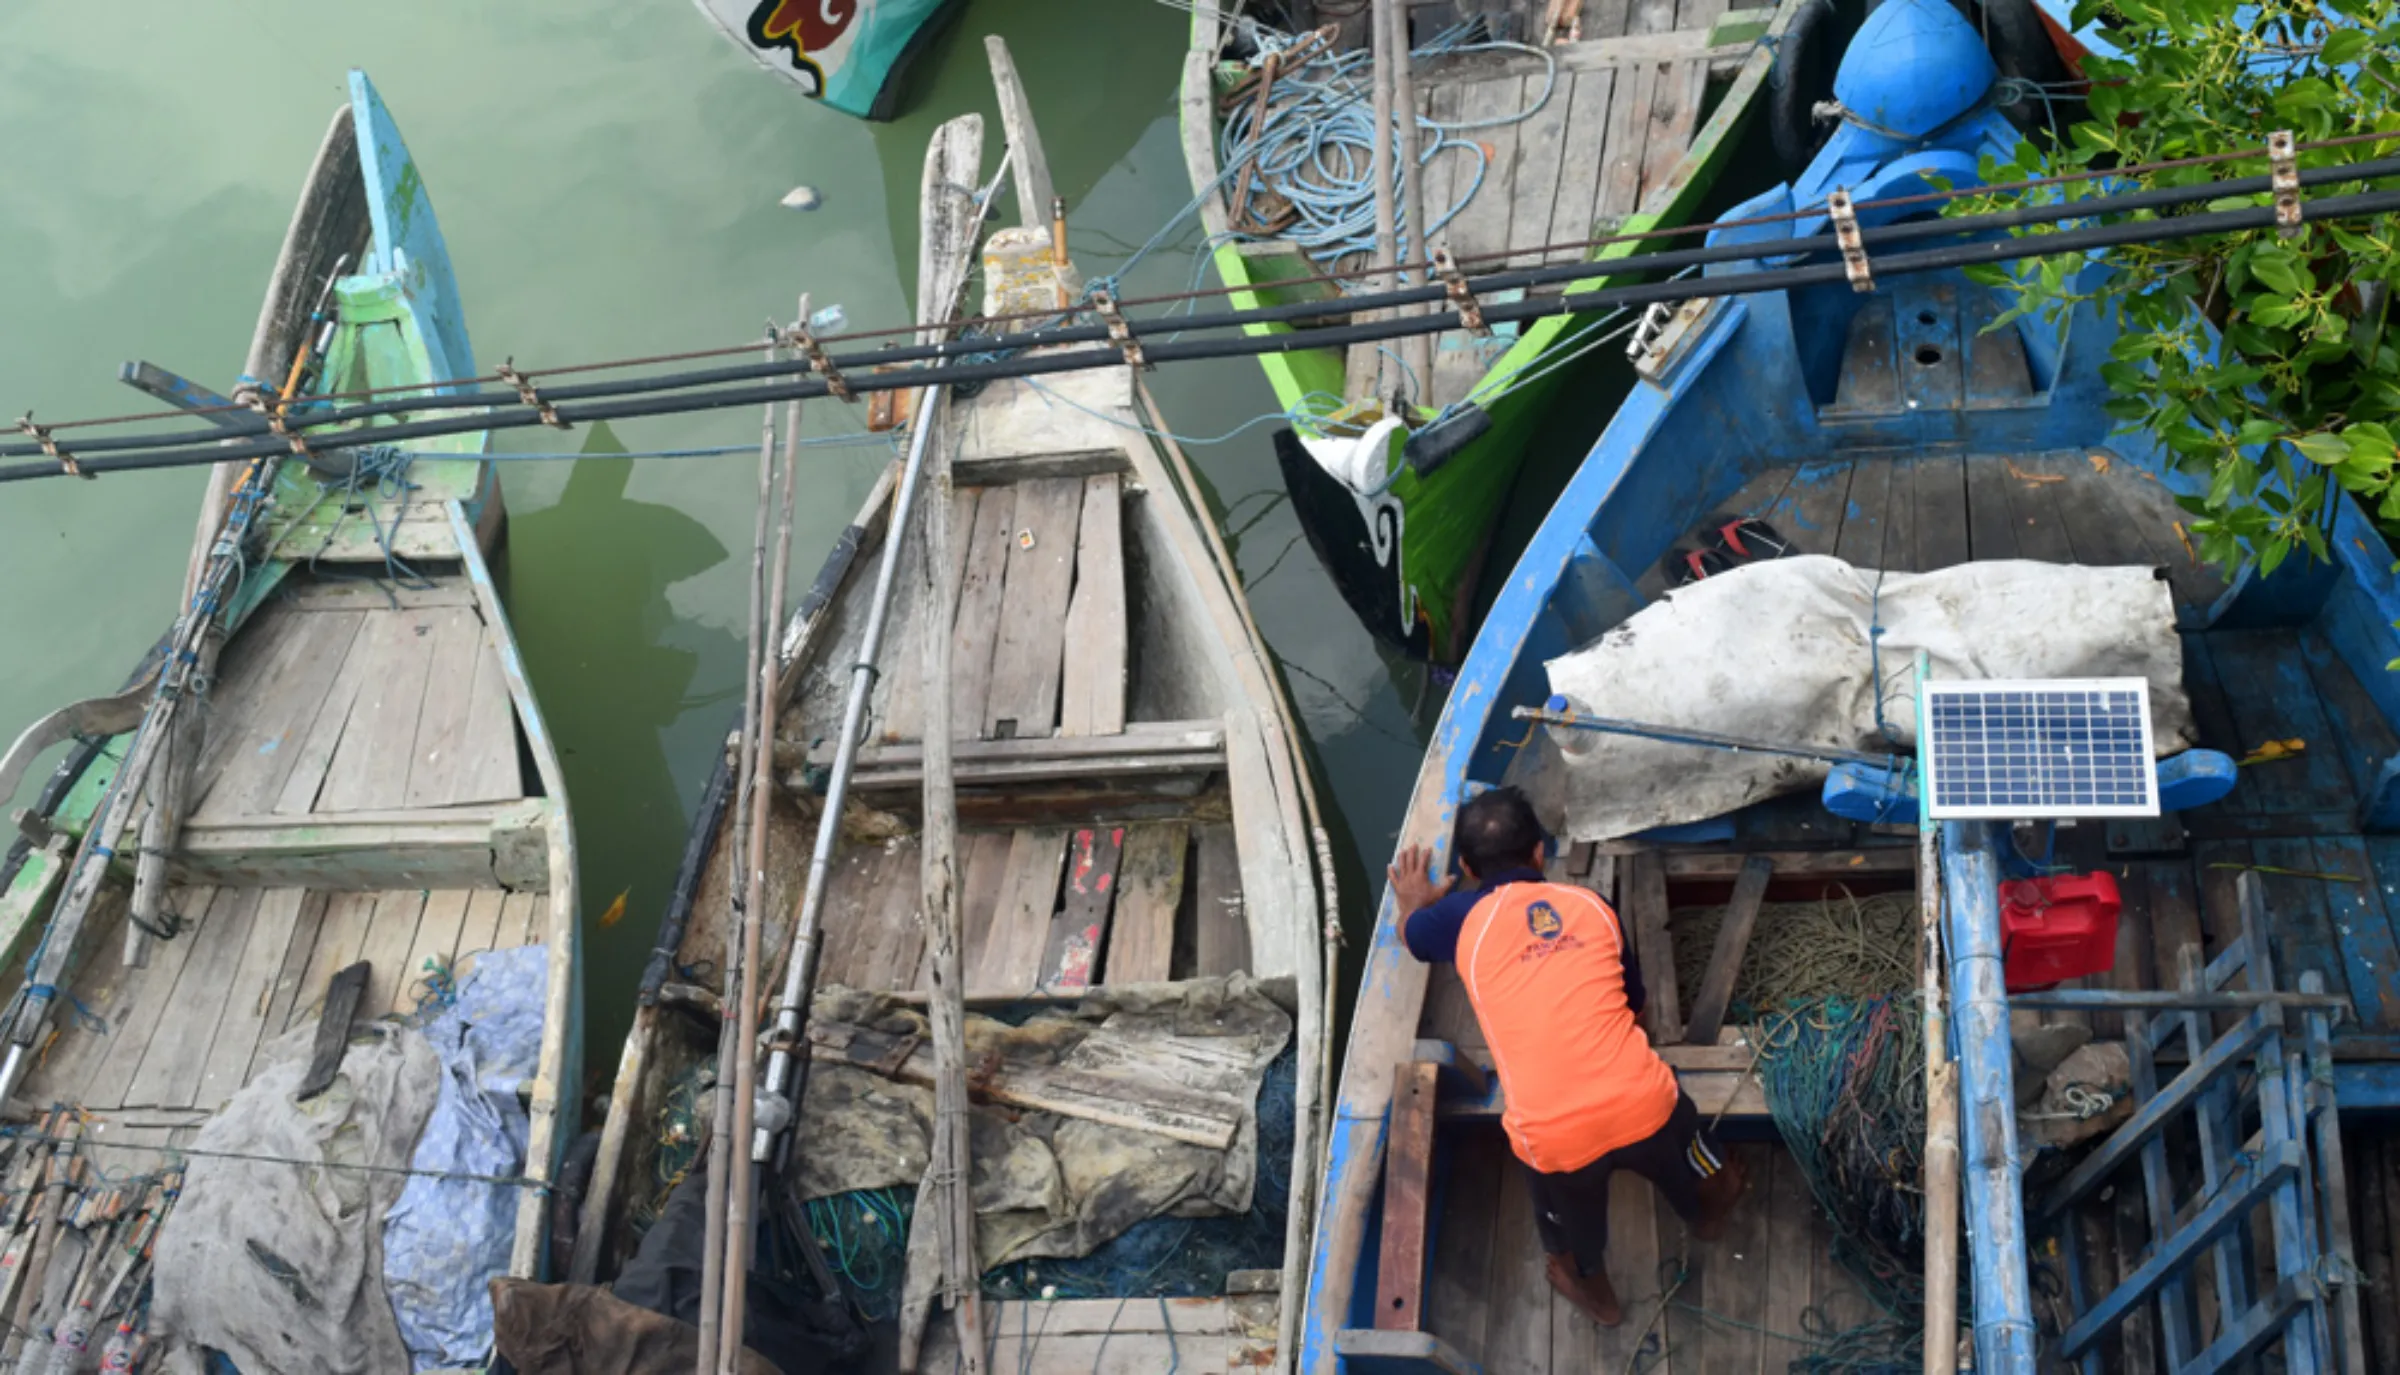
[1412,881]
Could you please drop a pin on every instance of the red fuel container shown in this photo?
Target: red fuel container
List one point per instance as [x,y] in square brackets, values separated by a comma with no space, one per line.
[2057,928]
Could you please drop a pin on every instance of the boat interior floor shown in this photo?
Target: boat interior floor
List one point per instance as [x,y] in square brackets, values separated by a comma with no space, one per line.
[1741,1303]
[359,795]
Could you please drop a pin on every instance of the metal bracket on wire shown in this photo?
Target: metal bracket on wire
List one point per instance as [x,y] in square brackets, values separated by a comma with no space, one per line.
[249,394]
[1470,312]
[1104,304]
[507,372]
[2283,166]
[65,461]
[1845,234]
[801,337]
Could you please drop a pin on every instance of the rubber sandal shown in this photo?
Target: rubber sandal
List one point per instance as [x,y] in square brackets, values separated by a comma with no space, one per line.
[1748,540]
[1683,567]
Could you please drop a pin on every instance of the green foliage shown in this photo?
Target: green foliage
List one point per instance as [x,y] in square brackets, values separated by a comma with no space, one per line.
[2260,362]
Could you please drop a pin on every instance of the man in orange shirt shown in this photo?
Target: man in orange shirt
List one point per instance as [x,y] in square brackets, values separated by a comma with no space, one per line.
[1556,991]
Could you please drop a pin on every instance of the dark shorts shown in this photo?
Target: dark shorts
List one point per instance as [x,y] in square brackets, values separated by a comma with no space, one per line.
[1572,1209]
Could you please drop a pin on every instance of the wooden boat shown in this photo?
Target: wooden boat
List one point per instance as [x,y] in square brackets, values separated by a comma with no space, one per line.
[1635,109]
[1894,430]
[1133,807]
[370,779]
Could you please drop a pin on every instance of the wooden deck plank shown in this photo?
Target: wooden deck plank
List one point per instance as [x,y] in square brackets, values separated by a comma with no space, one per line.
[896,703]
[1991,522]
[1701,15]
[2034,517]
[1606,18]
[291,975]
[1900,518]
[1863,524]
[250,994]
[479,931]
[1816,505]
[1634,1239]
[1741,1267]
[1676,94]
[178,1055]
[1938,522]
[391,934]
[259,720]
[1482,227]
[1789,1212]
[437,938]
[1012,956]
[1091,693]
[1654,945]
[891,949]
[1577,200]
[2268,688]
[1458,1303]
[323,734]
[2362,924]
[979,596]
[1725,960]
[1407,1199]
[520,920]
[2364,739]
[1628,139]
[1071,954]
[492,770]
[444,746]
[1027,659]
[339,938]
[983,870]
[1220,930]
[1517,1339]
[1446,177]
[1141,941]
[369,768]
[63,1063]
[2298,922]
[1541,145]
[143,1000]
[1651,16]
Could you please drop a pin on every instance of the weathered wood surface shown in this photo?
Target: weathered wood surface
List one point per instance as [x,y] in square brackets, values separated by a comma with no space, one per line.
[1112,1337]
[1407,1198]
[1220,928]
[1725,961]
[1071,957]
[1027,658]
[479,845]
[1150,875]
[1012,956]
[1654,944]
[1092,689]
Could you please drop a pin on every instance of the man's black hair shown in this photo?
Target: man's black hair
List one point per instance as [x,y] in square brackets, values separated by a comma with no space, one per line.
[1497,831]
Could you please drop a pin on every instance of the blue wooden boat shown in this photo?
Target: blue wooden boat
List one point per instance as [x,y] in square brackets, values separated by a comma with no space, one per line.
[355,771]
[1892,429]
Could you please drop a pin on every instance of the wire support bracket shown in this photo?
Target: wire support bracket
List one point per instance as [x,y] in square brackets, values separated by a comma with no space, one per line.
[1120,332]
[804,339]
[1462,297]
[2283,169]
[1845,234]
[251,395]
[65,460]
[507,372]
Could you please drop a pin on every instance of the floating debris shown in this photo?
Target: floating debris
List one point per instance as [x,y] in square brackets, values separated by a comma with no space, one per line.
[802,198]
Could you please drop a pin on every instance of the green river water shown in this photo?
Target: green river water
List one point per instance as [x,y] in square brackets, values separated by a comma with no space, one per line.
[608,180]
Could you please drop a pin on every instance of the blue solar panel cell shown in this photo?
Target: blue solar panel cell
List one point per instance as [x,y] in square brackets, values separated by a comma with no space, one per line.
[2032,749]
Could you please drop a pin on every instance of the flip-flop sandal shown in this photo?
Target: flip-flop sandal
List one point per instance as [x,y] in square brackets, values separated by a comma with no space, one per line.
[1684,567]
[1748,540]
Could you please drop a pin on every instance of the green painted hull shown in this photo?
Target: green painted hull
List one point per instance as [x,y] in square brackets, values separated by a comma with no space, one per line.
[1446,519]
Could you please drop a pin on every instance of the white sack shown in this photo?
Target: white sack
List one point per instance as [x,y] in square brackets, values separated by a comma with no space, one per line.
[1779,650]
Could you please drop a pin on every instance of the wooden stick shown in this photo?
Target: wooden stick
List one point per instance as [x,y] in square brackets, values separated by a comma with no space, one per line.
[740,1222]
[1386,250]
[721,1138]
[1418,349]
[1941,1100]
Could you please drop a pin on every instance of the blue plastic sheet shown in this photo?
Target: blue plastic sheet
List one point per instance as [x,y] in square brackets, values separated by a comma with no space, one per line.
[446,1238]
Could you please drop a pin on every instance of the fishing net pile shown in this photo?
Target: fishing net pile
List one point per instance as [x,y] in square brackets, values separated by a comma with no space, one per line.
[1838,946]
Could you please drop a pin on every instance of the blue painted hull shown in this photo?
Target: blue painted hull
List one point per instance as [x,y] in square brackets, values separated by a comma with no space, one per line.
[1759,383]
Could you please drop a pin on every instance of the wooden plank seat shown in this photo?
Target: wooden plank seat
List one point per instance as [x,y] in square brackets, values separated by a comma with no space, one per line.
[1718,1078]
[482,845]
[1146,749]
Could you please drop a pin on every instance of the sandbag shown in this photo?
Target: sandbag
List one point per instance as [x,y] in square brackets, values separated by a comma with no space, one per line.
[1786,650]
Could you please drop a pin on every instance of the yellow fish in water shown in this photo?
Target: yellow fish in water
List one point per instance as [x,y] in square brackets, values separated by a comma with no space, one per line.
[616,911]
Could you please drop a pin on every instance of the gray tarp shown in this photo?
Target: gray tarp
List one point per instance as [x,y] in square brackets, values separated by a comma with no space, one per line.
[1048,1184]
[1781,651]
[280,1266]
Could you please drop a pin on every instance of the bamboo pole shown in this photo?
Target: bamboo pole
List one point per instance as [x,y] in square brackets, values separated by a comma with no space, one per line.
[720,1138]
[1941,1091]
[1418,348]
[1386,251]
[741,1191]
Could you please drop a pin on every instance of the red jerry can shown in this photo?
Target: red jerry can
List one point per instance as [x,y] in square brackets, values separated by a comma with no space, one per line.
[2057,928]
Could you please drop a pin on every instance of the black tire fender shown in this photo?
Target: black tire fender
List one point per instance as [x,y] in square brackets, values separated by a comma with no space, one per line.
[1802,75]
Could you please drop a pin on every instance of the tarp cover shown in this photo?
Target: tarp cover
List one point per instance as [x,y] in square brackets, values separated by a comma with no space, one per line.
[1049,1183]
[279,1265]
[1784,650]
[445,1237]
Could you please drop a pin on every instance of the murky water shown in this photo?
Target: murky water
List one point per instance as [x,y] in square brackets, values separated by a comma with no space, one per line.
[608,179]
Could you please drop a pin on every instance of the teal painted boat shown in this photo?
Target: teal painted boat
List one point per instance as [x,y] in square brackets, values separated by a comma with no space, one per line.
[1616,123]
[335,757]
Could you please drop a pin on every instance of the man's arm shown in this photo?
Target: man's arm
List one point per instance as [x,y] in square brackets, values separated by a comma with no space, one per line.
[1435,912]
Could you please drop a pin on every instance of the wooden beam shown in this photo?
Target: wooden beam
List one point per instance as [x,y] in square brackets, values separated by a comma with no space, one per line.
[1072,958]
[1646,896]
[1733,942]
[1028,165]
[1791,864]
[1072,756]
[1407,1198]
[478,846]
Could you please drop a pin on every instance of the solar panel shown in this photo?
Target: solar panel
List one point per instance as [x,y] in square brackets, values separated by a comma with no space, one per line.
[2045,748]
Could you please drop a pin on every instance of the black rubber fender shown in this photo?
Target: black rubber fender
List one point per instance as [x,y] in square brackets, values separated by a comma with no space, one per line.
[2021,48]
[1802,76]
